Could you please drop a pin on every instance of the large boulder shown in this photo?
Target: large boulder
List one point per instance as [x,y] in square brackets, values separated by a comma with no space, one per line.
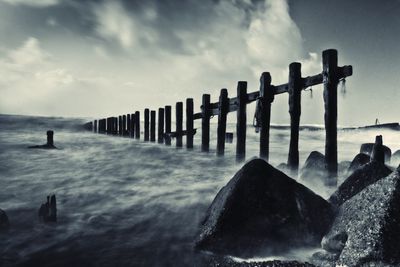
[367,149]
[366,228]
[262,211]
[358,180]
[359,160]
[4,222]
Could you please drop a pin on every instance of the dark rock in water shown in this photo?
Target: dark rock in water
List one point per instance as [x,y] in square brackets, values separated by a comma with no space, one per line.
[263,211]
[313,170]
[367,148]
[276,263]
[49,144]
[4,222]
[315,161]
[359,160]
[48,211]
[324,258]
[360,179]
[369,222]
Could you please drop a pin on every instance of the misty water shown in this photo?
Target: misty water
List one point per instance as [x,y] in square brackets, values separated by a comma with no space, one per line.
[124,202]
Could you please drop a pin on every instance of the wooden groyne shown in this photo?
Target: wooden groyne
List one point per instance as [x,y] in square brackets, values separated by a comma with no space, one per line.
[331,75]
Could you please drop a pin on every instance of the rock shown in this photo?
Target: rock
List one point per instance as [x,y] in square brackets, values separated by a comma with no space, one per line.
[263,211]
[4,222]
[356,182]
[48,211]
[324,259]
[315,161]
[367,148]
[370,221]
[313,173]
[359,160]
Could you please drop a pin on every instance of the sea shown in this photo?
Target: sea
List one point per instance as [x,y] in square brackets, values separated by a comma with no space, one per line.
[126,202]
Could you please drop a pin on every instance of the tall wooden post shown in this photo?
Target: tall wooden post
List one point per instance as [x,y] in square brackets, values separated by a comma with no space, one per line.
[128,125]
[160,125]
[153,126]
[120,129]
[123,125]
[137,125]
[168,124]
[95,126]
[108,128]
[223,107]
[241,121]
[189,123]
[179,122]
[132,130]
[294,90]
[330,69]
[146,124]
[205,123]
[266,98]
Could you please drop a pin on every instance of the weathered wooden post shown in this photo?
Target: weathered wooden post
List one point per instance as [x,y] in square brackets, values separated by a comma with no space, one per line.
[123,125]
[294,89]
[241,121]
[378,153]
[330,69]
[179,123]
[108,126]
[137,125]
[223,108]
[95,126]
[115,125]
[205,123]
[266,98]
[120,125]
[128,125]
[132,126]
[189,123]
[146,124]
[168,124]
[153,126]
[160,125]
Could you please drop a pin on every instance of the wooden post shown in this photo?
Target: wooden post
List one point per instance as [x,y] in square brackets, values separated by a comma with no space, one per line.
[168,124]
[378,153]
[241,121]
[120,125]
[330,68]
[294,89]
[132,129]
[153,126]
[123,125]
[189,123]
[179,123]
[161,125]
[128,125]
[95,126]
[146,124]
[265,101]
[137,125]
[108,126]
[223,107]
[115,126]
[205,123]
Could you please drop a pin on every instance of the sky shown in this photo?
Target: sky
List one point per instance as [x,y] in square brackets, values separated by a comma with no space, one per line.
[88,58]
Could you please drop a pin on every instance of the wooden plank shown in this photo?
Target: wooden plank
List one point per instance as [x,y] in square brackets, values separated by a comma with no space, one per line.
[265,101]
[160,126]
[189,123]
[223,111]
[241,121]
[179,122]
[295,88]
[331,80]
[153,126]
[205,123]
[146,124]
[168,124]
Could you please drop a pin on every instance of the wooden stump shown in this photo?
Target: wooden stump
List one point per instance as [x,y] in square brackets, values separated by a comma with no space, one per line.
[189,123]
[146,124]
[153,126]
[179,123]
[167,125]
[160,125]
[137,125]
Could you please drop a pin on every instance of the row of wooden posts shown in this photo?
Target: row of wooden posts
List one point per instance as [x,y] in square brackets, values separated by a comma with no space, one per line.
[129,125]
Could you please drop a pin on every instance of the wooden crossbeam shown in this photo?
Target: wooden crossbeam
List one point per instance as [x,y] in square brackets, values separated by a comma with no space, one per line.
[179,134]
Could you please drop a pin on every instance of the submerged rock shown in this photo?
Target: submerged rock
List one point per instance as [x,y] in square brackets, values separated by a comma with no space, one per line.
[4,222]
[262,211]
[359,160]
[360,179]
[368,224]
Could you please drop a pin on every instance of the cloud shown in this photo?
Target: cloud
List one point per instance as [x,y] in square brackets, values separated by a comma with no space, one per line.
[32,3]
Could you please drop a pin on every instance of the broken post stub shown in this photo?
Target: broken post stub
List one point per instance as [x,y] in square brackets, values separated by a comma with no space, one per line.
[50,141]
[48,211]
[377,151]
